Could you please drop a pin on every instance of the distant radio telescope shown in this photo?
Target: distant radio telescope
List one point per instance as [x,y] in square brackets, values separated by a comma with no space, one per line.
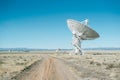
[81,31]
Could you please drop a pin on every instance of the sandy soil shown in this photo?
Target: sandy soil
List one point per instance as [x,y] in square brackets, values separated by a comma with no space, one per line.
[94,65]
[48,68]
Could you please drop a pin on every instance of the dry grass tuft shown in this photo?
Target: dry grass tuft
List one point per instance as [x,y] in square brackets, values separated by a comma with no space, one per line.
[112,65]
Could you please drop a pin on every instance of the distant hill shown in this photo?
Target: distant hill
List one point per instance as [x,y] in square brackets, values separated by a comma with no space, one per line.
[31,49]
[102,49]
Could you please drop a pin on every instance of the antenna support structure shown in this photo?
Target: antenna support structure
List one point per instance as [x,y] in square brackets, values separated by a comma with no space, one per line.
[80,32]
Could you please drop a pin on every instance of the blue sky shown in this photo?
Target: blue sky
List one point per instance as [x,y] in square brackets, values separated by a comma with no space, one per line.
[42,23]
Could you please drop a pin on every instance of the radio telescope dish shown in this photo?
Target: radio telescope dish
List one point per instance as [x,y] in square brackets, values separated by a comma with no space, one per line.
[80,31]
[79,27]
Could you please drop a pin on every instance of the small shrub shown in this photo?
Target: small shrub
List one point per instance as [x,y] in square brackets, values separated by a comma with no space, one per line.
[109,66]
[91,62]
[98,64]
[1,62]
[95,63]
[97,54]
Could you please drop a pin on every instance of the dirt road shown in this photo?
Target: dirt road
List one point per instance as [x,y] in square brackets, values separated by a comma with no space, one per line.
[49,68]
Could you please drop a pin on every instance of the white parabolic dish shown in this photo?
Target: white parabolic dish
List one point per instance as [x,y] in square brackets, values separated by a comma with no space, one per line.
[77,27]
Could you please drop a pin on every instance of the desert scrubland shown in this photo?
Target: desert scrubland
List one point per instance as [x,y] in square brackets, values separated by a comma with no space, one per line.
[94,65]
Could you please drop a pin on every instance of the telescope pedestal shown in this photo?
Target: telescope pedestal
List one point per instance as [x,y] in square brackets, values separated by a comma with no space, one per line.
[77,45]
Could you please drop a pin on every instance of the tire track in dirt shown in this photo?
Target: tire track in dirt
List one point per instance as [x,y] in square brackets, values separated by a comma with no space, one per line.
[48,68]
